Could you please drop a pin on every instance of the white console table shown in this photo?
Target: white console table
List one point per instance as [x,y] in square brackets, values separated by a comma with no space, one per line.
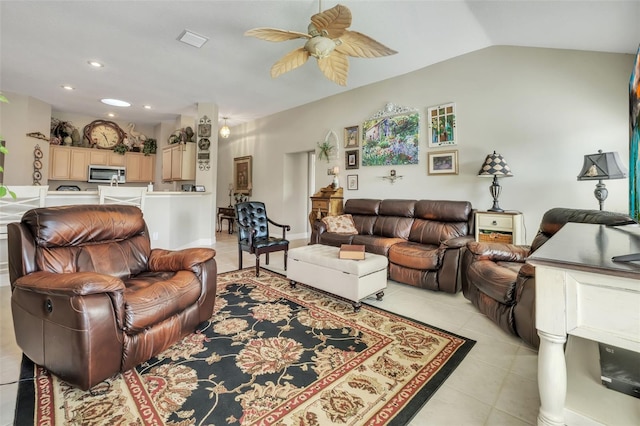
[581,292]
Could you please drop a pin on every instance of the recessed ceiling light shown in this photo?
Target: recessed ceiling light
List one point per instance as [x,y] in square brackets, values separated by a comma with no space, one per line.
[67,87]
[111,114]
[147,107]
[95,64]
[115,102]
[192,39]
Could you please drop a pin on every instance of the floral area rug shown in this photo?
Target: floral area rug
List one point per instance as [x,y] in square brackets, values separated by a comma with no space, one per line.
[270,355]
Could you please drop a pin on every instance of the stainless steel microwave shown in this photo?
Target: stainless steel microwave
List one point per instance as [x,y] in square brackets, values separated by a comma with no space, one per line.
[105,174]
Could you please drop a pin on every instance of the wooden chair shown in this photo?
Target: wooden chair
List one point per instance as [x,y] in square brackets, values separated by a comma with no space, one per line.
[133,196]
[253,233]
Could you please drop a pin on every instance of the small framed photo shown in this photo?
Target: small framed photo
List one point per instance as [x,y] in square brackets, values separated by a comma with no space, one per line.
[352,137]
[442,163]
[352,182]
[351,159]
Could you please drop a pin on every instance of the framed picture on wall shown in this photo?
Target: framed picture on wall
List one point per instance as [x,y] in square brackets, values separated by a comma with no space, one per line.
[242,175]
[442,163]
[352,182]
[352,137]
[441,120]
[351,159]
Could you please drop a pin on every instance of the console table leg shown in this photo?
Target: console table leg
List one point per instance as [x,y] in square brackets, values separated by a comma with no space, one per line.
[552,379]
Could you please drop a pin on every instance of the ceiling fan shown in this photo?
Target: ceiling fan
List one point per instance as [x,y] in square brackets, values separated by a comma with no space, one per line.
[328,40]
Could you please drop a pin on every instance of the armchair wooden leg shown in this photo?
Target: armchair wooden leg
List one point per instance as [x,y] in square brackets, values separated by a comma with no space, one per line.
[285,259]
[239,258]
[266,258]
[258,265]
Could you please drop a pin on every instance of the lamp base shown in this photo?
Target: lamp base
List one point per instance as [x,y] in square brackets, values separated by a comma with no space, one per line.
[601,193]
[495,190]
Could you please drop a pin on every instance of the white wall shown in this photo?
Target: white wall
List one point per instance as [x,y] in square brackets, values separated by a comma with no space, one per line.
[542,109]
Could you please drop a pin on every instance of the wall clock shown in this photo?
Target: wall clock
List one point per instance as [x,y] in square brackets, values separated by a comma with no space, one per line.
[105,134]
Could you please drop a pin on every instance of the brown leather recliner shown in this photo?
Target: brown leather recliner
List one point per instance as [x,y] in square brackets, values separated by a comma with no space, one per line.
[90,298]
[497,281]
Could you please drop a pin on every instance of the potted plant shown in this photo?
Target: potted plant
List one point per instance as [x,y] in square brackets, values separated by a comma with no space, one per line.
[325,149]
[149,146]
[121,148]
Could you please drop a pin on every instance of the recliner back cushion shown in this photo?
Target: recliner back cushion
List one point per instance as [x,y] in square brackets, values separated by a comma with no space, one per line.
[438,220]
[364,212]
[394,218]
[111,240]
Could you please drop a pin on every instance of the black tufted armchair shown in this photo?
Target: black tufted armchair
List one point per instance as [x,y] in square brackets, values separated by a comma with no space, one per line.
[253,233]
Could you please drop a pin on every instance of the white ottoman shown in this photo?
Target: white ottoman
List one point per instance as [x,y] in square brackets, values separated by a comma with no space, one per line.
[319,267]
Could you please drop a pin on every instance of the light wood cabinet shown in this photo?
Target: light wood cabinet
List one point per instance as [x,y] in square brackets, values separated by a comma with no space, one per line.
[139,167]
[326,202]
[499,227]
[72,163]
[68,163]
[179,162]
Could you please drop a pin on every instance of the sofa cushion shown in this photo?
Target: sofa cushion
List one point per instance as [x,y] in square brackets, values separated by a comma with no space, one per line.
[498,281]
[342,224]
[152,297]
[416,256]
[435,232]
[375,244]
[393,226]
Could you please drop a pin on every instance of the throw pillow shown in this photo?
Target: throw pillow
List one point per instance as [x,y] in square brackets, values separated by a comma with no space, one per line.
[342,224]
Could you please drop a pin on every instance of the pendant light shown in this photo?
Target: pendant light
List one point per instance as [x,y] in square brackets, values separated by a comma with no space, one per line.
[224,130]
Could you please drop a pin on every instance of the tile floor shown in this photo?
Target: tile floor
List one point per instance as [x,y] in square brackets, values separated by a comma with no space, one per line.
[496,384]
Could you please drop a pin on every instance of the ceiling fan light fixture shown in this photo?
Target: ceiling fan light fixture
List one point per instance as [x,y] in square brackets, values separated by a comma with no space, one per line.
[225,132]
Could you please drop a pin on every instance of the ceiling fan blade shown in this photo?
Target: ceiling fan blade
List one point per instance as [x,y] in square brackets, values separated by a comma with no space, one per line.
[274,34]
[335,67]
[290,61]
[362,46]
[334,21]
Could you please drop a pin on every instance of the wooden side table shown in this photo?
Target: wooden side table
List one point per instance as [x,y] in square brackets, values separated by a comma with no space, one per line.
[500,227]
[228,214]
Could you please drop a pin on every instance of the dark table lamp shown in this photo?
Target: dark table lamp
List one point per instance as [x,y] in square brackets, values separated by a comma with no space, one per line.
[602,166]
[495,166]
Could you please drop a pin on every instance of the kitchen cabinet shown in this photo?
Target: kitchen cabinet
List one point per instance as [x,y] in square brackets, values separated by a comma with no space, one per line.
[104,157]
[72,163]
[139,167]
[179,162]
[67,163]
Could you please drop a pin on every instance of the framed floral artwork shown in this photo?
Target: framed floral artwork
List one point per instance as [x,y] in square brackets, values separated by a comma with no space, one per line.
[242,175]
[391,137]
[441,121]
[352,182]
[352,137]
[351,159]
[442,163]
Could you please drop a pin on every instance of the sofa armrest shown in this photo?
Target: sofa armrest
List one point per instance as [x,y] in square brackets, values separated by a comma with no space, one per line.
[177,260]
[70,284]
[457,242]
[499,251]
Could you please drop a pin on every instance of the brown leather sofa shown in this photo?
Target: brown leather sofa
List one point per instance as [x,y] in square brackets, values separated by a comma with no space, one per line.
[422,239]
[501,285]
[90,298]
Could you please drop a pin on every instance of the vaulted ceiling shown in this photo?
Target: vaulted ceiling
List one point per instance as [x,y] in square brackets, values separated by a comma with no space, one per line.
[47,44]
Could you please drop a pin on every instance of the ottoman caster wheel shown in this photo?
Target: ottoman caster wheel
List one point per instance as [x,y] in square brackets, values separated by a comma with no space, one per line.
[292,283]
[379,295]
[357,306]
